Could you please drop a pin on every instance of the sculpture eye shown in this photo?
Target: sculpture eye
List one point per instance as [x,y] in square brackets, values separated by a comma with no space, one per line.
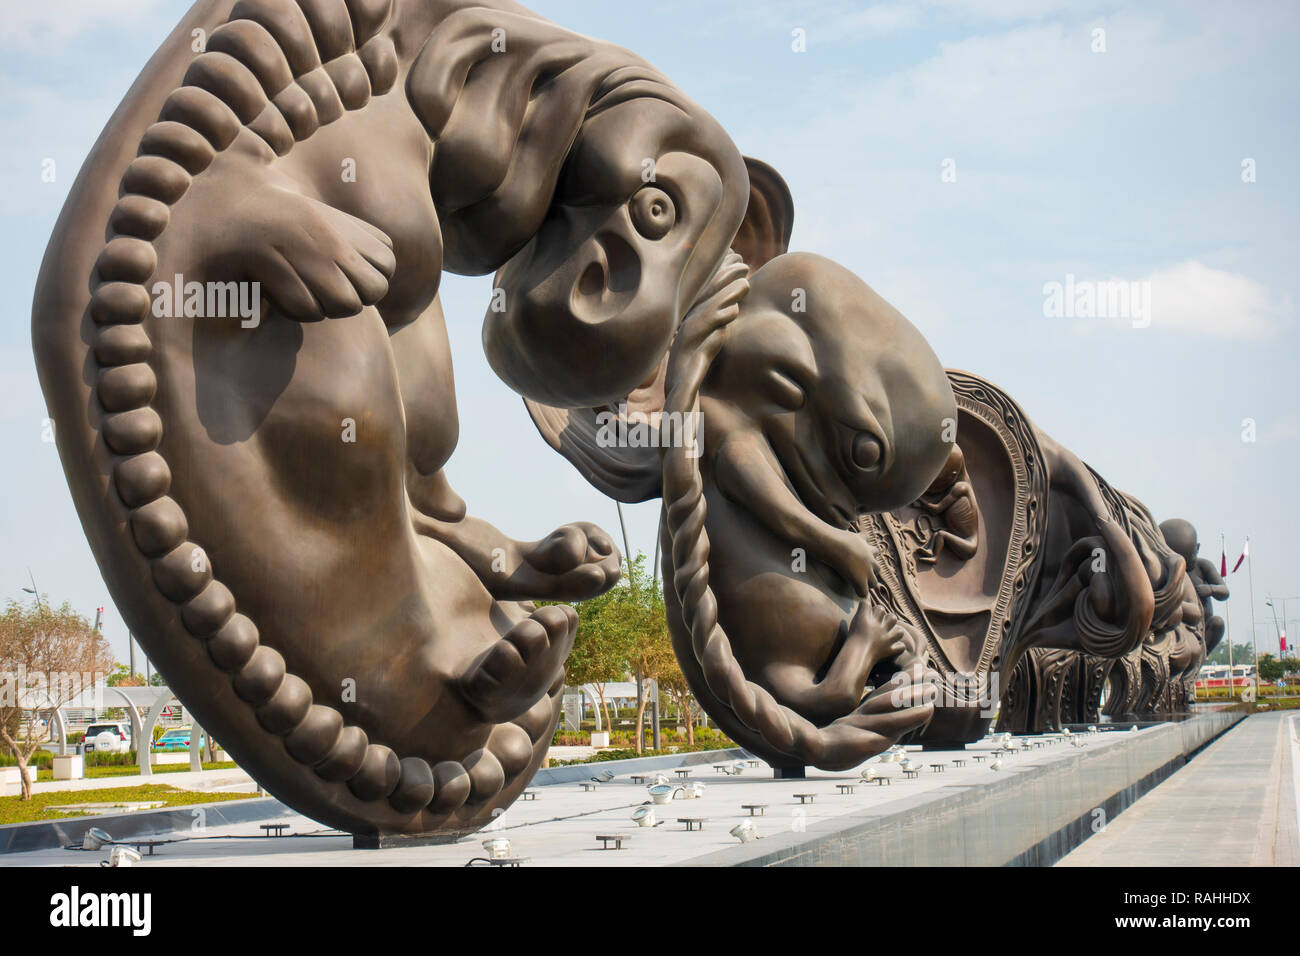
[788,392]
[653,212]
[867,451]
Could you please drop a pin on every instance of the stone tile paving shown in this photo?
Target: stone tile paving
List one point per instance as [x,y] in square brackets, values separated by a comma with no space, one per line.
[1233,805]
[559,828]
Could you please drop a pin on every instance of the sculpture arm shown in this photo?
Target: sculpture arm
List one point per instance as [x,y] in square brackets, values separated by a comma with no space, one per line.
[1212,584]
[749,477]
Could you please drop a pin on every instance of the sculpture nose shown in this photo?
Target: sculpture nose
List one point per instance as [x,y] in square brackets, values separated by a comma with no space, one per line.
[608,276]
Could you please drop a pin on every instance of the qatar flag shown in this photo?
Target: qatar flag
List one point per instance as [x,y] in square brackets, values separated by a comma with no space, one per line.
[1245,552]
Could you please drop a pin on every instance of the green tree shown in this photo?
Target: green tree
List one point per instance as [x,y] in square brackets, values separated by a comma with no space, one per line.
[122,677]
[1270,668]
[673,683]
[600,648]
[1241,654]
[646,622]
[622,631]
[47,658]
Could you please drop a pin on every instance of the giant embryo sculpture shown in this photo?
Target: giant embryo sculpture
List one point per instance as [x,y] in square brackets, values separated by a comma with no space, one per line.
[263,485]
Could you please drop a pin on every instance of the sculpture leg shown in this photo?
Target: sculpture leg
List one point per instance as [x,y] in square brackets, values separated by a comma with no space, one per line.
[572,563]
[872,638]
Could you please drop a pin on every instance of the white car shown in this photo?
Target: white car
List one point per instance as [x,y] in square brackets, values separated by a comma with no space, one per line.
[97,738]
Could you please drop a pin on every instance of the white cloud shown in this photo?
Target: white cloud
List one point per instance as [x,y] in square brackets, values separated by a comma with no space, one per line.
[30,23]
[840,21]
[1193,297]
[1188,297]
[1011,10]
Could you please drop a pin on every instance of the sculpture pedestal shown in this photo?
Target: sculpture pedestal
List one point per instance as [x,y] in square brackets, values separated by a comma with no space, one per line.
[390,841]
[789,773]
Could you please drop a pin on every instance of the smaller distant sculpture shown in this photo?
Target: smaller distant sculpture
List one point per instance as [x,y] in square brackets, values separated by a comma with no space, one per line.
[1205,578]
[1156,679]
[951,499]
[1016,563]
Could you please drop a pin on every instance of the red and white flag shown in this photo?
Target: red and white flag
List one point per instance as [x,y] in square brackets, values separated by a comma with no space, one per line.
[1245,552]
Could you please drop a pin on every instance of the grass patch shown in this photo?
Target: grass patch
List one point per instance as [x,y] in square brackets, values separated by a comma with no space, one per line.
[17,810]
[47,776]
[602,756]
[1266,704]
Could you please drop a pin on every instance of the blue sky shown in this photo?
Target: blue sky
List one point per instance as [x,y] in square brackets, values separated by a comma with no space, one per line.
[1123,164]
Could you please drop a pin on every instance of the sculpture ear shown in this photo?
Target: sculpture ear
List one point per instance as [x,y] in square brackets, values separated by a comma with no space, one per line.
[765,232]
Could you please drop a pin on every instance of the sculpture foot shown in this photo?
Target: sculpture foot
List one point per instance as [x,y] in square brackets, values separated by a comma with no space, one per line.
[513,674]
[572,563]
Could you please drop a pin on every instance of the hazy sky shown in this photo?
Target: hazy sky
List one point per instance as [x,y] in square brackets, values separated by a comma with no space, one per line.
[1122,164]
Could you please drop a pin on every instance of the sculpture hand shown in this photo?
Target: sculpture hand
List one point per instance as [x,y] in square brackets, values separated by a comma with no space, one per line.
[245,222]
[873,637]
[848,553]
[314,261]
[903,705]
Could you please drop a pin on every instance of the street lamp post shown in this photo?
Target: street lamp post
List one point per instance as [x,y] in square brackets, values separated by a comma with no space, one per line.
[33,590]
[1291,648]
[1280,627]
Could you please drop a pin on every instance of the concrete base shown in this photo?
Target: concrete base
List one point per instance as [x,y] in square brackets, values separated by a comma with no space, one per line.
[69,767]
[1234,805]
[11,781]
[393,841]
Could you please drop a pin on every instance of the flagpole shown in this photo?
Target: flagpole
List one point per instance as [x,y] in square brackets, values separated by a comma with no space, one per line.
[1250,573]
[1227,612]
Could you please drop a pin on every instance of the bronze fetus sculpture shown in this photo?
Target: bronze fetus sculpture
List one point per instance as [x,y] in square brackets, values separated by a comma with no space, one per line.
[819,402]
[265,491]
[1040,567]
[1155,679]
[1204,577]
[1160,679]
[951,500]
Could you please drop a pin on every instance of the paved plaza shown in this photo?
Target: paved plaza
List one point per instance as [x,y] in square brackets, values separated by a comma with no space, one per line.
[1233,805]
[560,826]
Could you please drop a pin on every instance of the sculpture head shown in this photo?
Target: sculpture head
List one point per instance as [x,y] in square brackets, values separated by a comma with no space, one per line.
[1180,535]
[953,468]
[600,193]
[849,395]
[651,195]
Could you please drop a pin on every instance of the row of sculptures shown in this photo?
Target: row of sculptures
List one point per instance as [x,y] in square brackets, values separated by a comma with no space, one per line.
[862,547]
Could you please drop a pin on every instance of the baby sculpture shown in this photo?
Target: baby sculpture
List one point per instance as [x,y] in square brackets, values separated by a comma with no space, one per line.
[265,491]
[818,402]
[951,500]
